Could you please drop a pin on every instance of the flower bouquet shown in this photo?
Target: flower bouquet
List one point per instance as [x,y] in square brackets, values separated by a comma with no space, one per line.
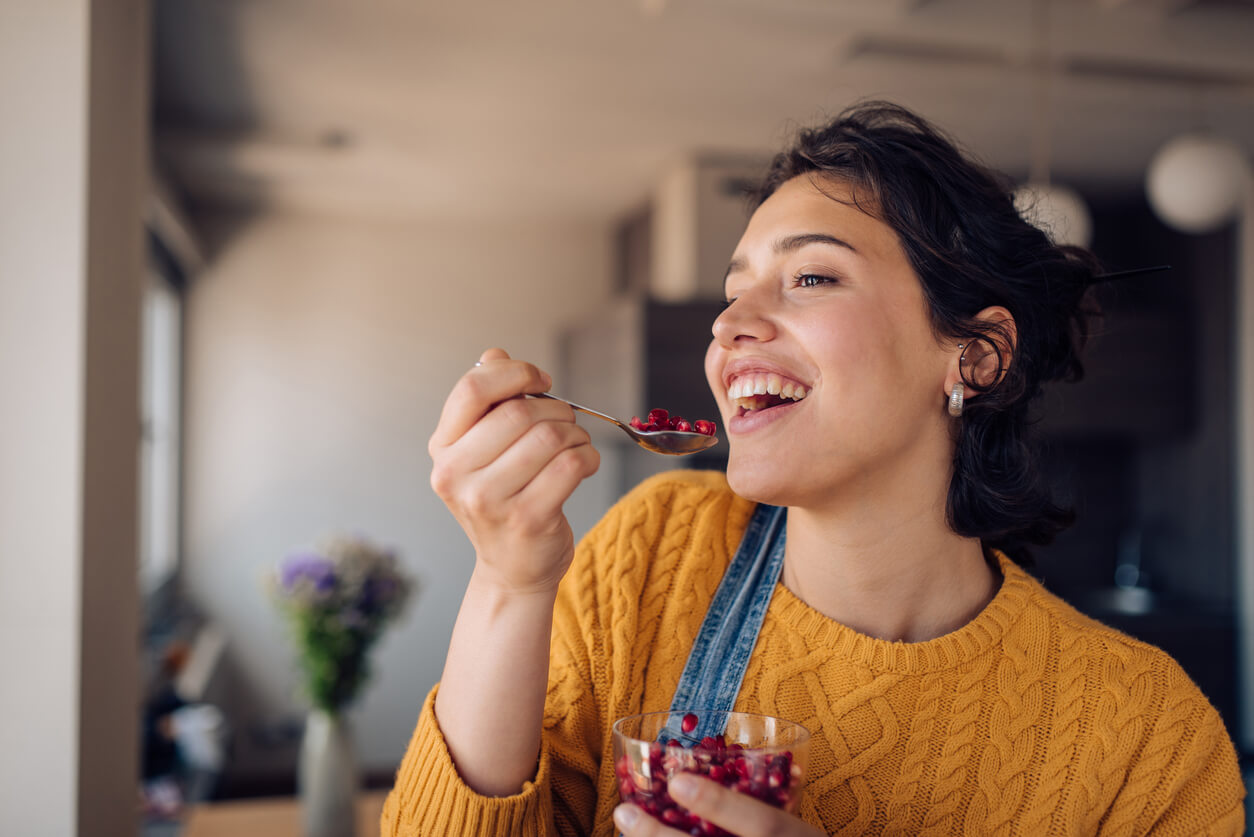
[337,601]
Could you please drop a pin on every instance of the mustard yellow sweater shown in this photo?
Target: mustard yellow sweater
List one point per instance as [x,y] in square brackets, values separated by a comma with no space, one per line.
[1032,719]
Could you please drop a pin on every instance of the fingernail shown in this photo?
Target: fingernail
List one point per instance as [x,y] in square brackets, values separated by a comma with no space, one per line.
[547,379]
[625,816]
[683,787]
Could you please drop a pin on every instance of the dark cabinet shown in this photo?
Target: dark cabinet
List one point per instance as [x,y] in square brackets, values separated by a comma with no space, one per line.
[1139,380]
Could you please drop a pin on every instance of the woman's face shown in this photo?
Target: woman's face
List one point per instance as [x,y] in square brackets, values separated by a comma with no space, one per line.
[824,364]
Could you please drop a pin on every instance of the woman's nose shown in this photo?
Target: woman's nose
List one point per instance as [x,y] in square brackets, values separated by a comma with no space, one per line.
[745,318]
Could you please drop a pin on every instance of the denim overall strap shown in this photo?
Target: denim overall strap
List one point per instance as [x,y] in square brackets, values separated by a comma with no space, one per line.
[716,665]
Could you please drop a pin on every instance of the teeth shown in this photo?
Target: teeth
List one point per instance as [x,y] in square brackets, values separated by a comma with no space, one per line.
[745,392]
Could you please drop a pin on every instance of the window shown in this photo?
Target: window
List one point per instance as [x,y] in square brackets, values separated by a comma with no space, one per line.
[161,396]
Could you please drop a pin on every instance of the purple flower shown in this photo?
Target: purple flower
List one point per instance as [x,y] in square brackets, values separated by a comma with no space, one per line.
[319,571]
[377,590]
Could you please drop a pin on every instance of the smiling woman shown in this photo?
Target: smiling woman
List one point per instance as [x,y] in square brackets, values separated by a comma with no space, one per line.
[858,570]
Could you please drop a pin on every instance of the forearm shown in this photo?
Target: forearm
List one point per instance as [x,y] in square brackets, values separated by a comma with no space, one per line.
[490,705]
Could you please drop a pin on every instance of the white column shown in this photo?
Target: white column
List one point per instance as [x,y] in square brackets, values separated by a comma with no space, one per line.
[74,104]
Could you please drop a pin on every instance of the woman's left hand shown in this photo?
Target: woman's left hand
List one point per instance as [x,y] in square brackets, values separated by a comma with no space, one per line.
[734,812]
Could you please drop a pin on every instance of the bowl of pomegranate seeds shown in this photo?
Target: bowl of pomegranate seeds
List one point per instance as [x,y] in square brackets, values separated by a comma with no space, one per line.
[760,755]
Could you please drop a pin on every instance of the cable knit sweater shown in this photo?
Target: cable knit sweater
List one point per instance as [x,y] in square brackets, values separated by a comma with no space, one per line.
[1031,719]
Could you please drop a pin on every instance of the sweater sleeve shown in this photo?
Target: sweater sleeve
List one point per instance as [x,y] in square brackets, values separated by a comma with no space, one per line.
[430,798]
[1197,786]
[1207,795]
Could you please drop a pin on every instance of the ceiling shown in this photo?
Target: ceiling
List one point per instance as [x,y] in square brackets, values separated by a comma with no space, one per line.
[574,108]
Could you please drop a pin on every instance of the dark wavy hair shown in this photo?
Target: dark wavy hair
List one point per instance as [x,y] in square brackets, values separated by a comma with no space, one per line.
[971,249]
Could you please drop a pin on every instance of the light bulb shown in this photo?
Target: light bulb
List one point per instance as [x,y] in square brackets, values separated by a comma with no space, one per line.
[1195,182]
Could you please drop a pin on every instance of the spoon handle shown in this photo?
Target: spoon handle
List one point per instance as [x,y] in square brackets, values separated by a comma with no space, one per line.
[578,407]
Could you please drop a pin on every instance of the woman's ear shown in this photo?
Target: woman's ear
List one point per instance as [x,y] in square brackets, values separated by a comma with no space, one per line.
[979,363]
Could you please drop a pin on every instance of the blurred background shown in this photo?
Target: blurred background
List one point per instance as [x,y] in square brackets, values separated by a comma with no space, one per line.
[335,207]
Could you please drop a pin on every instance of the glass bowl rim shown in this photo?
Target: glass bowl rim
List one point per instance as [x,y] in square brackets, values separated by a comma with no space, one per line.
[804,735]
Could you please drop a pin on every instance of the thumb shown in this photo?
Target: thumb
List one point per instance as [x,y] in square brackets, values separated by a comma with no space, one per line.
[493,354]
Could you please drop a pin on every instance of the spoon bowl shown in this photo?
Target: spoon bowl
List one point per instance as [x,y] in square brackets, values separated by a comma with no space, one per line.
[668,442]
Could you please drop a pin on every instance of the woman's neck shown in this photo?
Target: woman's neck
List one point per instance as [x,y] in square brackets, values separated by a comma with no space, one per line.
[900,577]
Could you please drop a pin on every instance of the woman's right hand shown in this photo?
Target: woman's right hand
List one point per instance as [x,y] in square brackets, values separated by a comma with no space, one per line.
[504,465]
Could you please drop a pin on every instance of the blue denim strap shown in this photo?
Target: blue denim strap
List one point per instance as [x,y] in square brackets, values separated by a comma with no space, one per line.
[716,665]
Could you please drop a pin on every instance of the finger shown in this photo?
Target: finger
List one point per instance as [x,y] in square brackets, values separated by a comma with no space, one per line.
[482,387]
[733,811]
[504,426]
[525,462]
[543,497]
[634,822]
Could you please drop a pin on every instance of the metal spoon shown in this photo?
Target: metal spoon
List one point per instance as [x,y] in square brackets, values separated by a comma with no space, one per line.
[670,442]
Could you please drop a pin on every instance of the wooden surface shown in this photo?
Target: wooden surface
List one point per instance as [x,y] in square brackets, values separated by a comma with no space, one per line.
[271,817]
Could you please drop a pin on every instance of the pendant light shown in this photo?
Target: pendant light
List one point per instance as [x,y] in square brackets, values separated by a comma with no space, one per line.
[1196,183]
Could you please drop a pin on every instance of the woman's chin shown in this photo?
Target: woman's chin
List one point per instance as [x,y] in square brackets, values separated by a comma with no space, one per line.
[761,482]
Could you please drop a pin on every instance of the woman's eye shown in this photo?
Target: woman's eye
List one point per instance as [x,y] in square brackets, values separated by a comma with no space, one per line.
[814,280]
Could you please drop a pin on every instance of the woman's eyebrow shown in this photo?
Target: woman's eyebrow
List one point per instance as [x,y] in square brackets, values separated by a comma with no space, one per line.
[796,242]
[791,243]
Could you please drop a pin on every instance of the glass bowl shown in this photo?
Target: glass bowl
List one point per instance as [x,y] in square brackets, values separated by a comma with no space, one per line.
[762,756]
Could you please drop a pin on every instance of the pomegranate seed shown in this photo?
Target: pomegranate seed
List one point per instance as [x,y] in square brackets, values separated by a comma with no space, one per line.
[704,427]
[636,423]
[683,426]
[689,723]
[657,414]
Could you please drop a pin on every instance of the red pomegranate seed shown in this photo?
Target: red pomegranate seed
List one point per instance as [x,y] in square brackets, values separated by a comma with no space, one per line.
[636,423]
[704,427]
[683,426]
[689,723]
[657,414]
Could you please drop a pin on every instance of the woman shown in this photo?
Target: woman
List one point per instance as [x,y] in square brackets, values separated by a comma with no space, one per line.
[890,317]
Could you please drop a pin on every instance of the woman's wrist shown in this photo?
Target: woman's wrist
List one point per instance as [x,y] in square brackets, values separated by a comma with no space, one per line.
[487,581]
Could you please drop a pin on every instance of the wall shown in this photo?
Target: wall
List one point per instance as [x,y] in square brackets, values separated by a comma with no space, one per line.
[72,161]
[318,355]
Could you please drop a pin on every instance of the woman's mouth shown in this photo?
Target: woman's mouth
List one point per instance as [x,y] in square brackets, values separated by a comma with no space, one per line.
[751,393]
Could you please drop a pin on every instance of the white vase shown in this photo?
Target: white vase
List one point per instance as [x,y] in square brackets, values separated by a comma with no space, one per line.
[328,776]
